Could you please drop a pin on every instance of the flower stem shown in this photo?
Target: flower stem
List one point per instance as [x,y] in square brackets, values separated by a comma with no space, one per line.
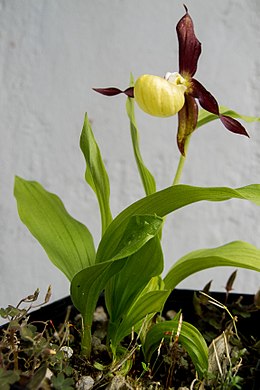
[182,160]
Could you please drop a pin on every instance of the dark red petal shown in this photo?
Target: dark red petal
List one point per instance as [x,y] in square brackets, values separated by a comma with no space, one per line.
[233,125]
[112,91]
[188,117]
[189,46]
[207,101]
[129,92]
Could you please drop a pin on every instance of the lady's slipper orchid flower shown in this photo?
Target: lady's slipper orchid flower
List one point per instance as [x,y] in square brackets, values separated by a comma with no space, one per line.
[176,92]
[160,96]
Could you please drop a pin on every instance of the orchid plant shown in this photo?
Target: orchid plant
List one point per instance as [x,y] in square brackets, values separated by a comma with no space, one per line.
[128,262]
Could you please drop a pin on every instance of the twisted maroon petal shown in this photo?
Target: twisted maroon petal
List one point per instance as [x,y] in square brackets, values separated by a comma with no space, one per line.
[233,125]
[112,91]
[207,101]
[187,117]
[189,46]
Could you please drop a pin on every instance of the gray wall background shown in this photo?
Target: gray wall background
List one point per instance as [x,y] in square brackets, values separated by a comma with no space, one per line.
[52,53]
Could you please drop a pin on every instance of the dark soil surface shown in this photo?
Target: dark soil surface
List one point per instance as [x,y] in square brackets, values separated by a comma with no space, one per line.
[171,367]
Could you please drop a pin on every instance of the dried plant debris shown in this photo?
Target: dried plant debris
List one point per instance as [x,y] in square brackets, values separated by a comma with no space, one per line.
[33,354]
[46,354]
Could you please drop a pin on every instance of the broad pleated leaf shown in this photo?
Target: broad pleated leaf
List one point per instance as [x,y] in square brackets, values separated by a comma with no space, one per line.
[166,201]
[150,302]
[123,289]
[190,338]
[155,284]
[137,272]
[86,287]
[67,242]
[234,254]
[205,116]
[146,176]
[88,283]
[96,174]
[138,230]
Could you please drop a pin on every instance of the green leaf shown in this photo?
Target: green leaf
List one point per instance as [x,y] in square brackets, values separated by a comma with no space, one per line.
[3,313]
[235,254]
[7,378]
[127,294]
[37,378]
[166,201]
[145,175]
[150,302]
[59,382]
[86,287]
[88,283]
[137,272]
[12,311]
[145,261]
[190,338]
[206,117]
[139,230]
[67,242]
[28,332]
[96,174]
[155,284]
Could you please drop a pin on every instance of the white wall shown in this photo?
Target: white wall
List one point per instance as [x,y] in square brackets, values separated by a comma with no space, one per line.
[52,52]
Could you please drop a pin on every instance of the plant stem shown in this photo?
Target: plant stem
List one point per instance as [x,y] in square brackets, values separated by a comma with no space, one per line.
[86,341]
[181,163]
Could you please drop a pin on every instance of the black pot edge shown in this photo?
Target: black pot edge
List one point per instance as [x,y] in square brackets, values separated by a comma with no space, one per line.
[179,299]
